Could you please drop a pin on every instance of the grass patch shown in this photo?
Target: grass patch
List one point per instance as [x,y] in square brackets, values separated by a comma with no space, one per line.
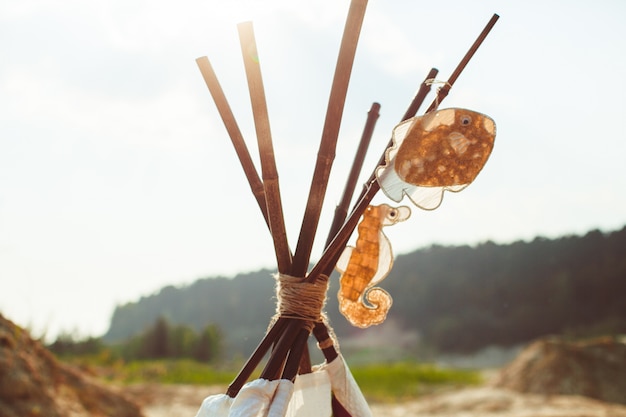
[379,382]
[180,371]
[401,381]
[161,371]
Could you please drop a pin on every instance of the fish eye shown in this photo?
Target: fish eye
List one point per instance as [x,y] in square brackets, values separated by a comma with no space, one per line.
[466,120]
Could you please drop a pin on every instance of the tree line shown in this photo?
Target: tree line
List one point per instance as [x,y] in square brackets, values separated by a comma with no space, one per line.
[161,340]
[458,299]
[465,298]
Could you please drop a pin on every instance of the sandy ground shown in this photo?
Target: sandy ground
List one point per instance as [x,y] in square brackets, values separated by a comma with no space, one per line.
[170,400]
[184,401]
[496,402]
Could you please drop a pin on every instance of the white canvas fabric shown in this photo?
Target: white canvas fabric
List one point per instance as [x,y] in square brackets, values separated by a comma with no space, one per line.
[310,396]
[345,388]
[258,398]
[215,405]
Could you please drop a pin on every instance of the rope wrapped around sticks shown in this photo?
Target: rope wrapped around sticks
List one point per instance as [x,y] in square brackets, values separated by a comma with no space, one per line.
[296,298]
[304,300]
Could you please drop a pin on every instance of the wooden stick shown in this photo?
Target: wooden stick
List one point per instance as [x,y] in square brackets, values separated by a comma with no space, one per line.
[326,263]
[253,361]
[292,364]
[341,211]
[258,190]
[411,111]
[372,185]
[333,250]
[443,91]
[266,149]
[305,362]
[330,256]
[330,133]
[320,331]
[273,368]
[210,78]
[418,99]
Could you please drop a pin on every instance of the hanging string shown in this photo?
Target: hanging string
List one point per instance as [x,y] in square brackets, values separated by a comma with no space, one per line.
[433,81]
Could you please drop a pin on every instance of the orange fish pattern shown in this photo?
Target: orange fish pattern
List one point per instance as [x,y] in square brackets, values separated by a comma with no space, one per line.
[439,151]
[366,264]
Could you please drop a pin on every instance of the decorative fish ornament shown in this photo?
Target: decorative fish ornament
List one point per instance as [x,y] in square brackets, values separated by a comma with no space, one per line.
[366,264]
[441,150]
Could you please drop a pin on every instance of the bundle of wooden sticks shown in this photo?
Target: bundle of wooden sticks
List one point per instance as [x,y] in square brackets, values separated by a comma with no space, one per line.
[287,337]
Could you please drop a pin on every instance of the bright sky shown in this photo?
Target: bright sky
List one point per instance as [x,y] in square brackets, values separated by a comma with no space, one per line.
[117,176]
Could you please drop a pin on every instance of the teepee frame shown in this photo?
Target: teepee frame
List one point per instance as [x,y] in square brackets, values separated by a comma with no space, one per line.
[289,335]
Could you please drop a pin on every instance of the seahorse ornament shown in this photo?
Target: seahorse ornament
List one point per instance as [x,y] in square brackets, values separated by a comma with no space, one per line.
[366,264]
[441,150]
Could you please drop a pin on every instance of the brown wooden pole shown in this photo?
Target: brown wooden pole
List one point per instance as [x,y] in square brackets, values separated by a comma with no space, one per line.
[256,185]
[266,148]
[341,211]
[326,263]
[411,111]
[305,362]
[445,89]
[334,248]
[253,361]
[320,331]
[329,258]
[292,364]
[274,366]
[326,153]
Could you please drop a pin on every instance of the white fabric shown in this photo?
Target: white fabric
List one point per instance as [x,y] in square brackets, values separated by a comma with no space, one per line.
[258,398]
[310,396]
[215,405]
[345,388]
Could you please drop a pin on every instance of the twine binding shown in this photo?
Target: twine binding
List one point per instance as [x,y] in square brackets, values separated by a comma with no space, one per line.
[300,299]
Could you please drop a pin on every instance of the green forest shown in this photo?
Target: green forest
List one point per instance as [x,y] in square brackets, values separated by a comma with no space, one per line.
[458,299]
[161,340]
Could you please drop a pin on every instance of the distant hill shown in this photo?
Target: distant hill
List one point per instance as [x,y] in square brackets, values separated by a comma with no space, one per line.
[457,299]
